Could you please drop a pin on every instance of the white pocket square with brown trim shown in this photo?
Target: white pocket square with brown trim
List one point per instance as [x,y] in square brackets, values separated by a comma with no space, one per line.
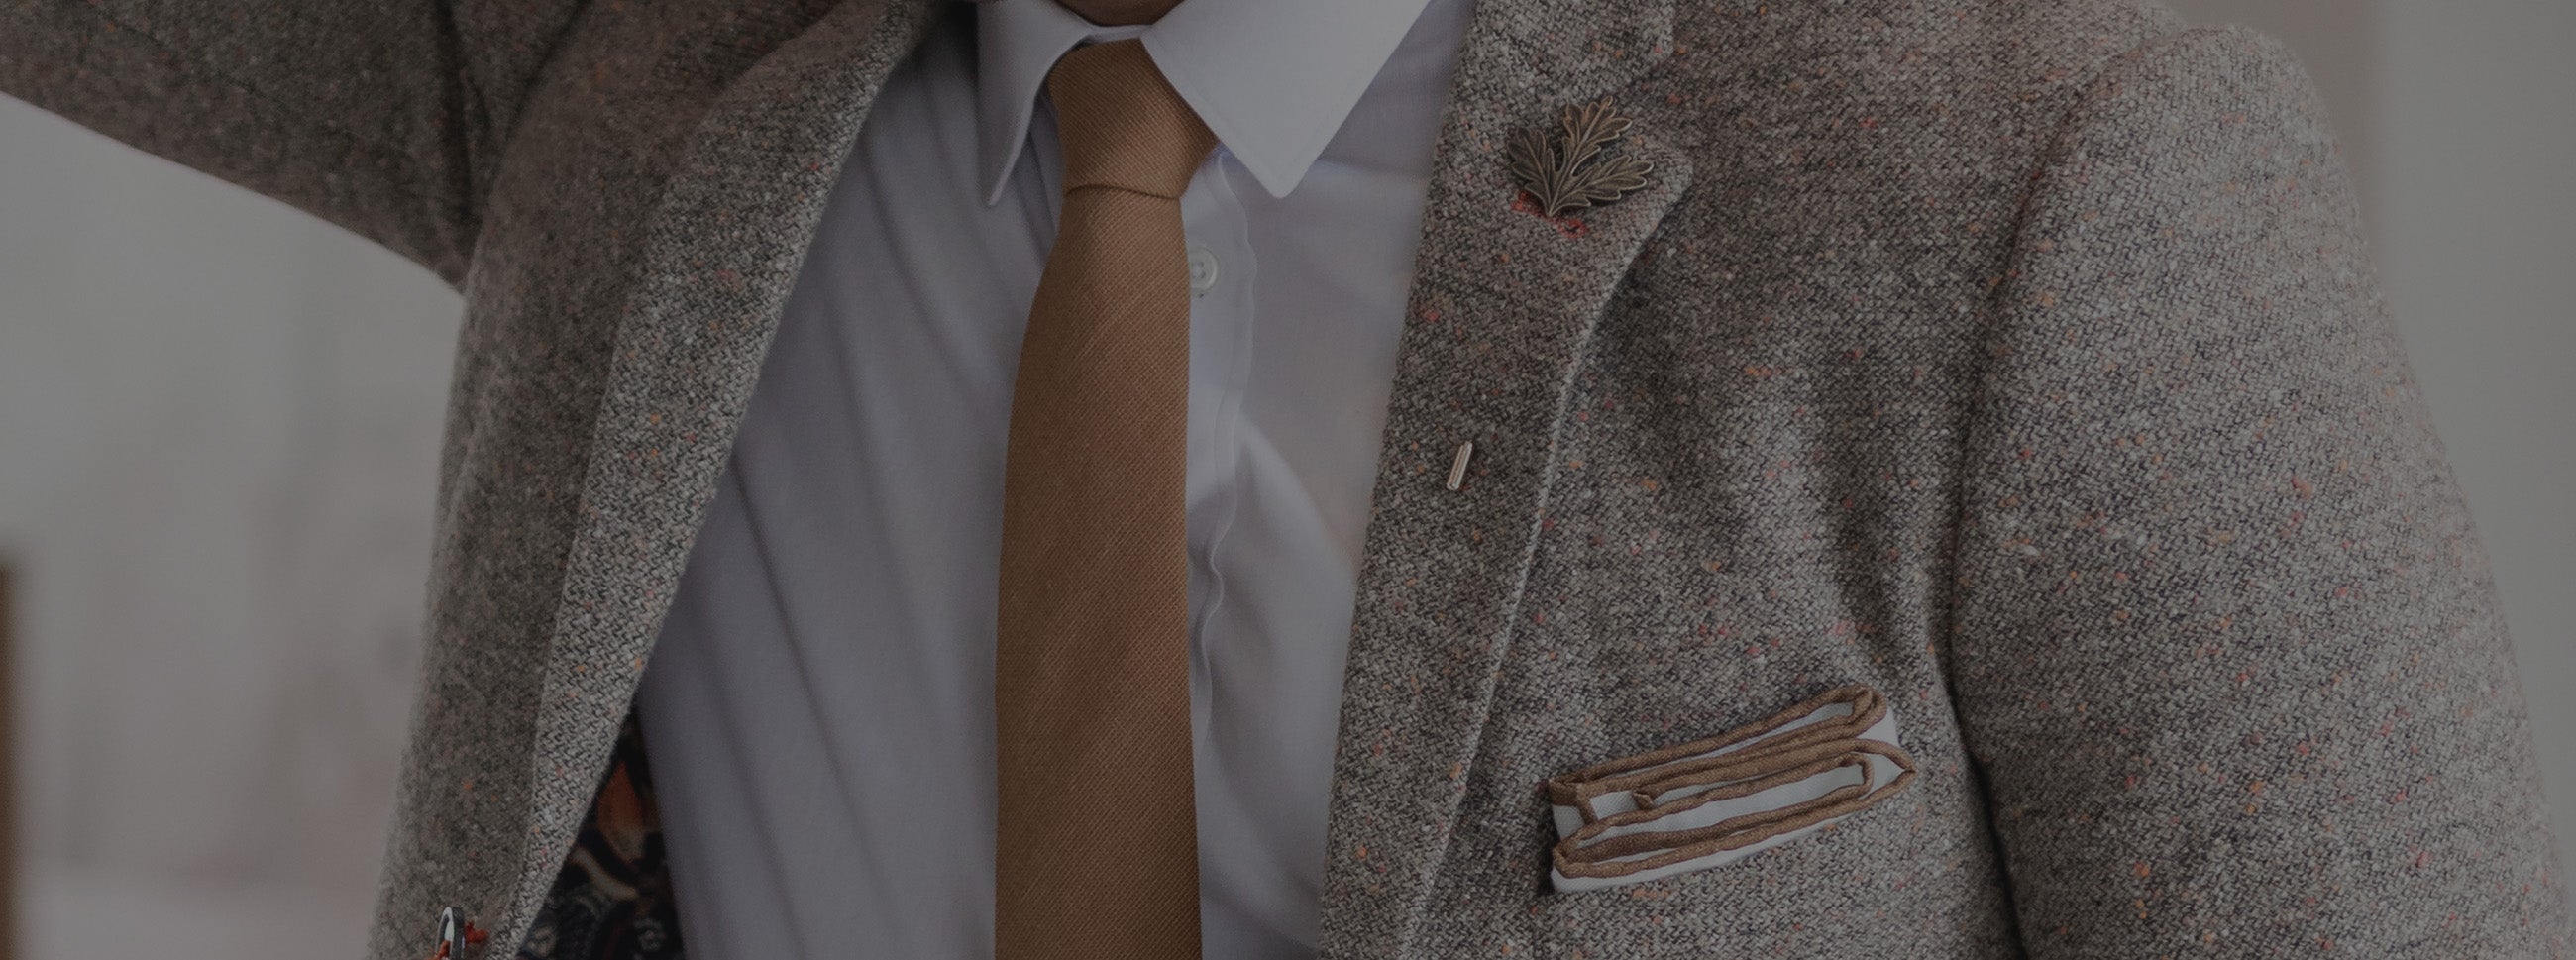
[1712,802]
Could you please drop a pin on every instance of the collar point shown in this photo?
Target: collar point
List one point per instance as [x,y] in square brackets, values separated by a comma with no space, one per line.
[1276,179]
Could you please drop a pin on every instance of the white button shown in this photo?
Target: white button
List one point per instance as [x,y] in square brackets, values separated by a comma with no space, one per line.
[1202,269]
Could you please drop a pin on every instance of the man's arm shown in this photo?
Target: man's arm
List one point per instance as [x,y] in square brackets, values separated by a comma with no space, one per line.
[383,116]
[2226,650]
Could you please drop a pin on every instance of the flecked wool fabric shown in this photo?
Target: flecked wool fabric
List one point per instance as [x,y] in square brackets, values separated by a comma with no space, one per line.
[2018,358]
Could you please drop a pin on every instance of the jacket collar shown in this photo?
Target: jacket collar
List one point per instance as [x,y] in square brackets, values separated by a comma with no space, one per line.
[1274,79]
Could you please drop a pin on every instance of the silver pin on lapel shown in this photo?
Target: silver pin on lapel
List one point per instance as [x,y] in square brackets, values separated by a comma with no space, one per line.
[1458,464]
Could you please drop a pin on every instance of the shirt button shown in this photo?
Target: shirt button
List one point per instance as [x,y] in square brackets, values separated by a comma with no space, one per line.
[1202,269]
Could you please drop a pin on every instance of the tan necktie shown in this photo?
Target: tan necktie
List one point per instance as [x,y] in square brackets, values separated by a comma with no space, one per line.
[1098,845]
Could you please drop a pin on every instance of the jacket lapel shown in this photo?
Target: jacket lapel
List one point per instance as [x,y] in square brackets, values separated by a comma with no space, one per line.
[1503,306]
[730,233]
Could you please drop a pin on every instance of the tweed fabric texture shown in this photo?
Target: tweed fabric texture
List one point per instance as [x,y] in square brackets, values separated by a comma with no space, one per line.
[2020,360]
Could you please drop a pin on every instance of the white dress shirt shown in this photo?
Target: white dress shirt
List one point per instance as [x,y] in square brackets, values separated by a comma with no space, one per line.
[819,710]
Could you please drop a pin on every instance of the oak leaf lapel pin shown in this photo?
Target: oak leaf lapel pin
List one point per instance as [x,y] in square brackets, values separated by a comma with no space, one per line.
[1570,170]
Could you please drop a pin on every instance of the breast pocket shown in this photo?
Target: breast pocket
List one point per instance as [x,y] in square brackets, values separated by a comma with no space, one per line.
[1802,833]
[1711,802]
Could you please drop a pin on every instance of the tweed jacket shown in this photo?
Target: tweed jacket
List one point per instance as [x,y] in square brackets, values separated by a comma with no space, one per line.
[2018,359]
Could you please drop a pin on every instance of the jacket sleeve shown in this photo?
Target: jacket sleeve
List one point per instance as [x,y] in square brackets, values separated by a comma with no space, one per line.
[382,116]
[2226,650]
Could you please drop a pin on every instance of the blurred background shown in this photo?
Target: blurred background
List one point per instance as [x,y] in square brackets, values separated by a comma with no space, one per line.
[219,423]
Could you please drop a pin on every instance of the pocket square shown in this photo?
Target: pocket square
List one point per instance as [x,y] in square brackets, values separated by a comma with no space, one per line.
[1715,801]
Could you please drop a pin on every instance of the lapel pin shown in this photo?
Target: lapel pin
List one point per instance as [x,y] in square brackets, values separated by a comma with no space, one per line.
[1458,465]
[1569,169]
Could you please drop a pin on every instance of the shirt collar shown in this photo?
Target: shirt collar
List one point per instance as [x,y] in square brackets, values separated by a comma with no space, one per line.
[1274,79]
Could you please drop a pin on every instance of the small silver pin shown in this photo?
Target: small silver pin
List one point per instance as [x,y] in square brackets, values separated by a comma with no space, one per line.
[1458,465]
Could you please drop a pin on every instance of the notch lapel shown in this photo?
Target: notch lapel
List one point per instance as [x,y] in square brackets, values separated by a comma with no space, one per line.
[1503,306]
[718,261]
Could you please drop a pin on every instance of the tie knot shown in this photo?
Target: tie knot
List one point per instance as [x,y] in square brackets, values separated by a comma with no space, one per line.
[1122,124]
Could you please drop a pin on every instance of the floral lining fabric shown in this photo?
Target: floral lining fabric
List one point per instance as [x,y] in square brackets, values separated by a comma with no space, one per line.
[613,899]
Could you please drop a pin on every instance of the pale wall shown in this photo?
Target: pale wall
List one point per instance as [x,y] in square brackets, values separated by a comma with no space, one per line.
[218,434]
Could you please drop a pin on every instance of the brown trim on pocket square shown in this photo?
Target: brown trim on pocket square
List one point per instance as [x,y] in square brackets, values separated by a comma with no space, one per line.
[1768,754]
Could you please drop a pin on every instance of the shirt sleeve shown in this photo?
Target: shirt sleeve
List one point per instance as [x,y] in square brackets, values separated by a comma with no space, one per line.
[382,116]
[2227,652]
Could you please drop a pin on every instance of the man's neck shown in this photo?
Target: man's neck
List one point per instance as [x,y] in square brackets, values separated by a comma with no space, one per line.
[1120,13]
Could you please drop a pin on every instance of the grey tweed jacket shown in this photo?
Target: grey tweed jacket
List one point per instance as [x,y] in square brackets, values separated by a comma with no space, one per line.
[2017,358]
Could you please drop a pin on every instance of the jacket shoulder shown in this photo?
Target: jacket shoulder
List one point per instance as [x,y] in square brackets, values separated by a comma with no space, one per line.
[1963,51]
